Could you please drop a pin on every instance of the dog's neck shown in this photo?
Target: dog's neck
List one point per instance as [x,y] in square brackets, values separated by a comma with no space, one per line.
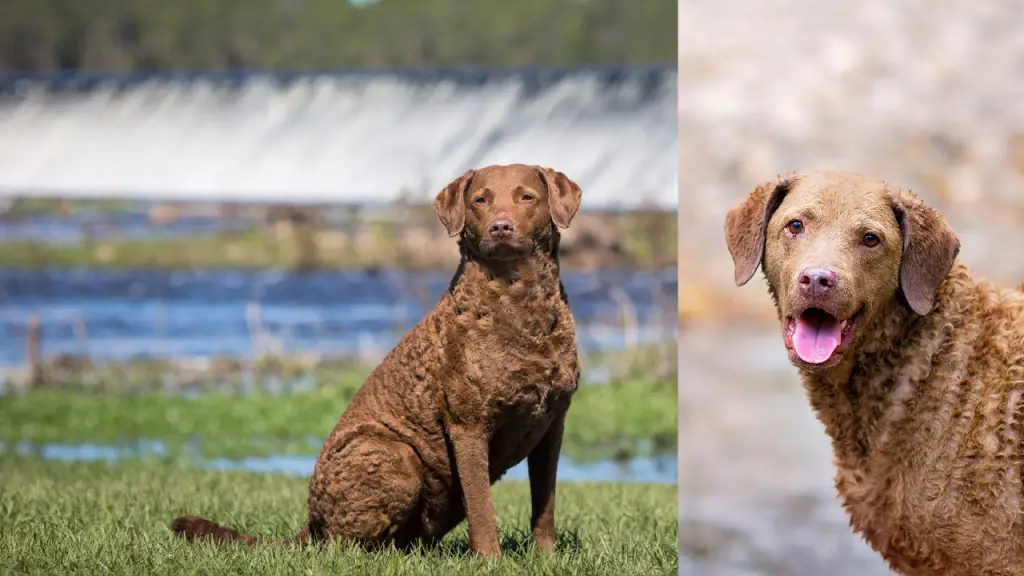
[532,278]
[850,399]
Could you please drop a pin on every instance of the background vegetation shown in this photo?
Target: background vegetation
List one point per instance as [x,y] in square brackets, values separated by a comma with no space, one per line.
[44,35]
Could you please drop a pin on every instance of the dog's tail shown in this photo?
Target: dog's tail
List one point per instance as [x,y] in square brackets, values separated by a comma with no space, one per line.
[196,528]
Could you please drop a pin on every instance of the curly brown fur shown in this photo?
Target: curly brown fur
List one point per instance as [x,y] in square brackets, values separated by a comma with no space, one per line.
[481,383]
[923,397]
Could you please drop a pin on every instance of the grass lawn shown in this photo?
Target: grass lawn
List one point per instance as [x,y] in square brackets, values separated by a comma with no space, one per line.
[66,518]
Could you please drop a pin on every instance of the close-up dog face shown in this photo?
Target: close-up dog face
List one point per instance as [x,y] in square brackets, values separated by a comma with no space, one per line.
[836,250]
[503,211]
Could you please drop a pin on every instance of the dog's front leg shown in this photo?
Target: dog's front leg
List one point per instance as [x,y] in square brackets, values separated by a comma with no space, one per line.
[543,468]
[472,468]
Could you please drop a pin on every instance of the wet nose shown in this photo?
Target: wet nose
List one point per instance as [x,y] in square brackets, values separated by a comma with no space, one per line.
[816,282]
[500,227]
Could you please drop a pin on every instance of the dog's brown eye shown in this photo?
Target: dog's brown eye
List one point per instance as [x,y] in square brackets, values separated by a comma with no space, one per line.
[871,240]
[527,197]
[480,200]
[795,227]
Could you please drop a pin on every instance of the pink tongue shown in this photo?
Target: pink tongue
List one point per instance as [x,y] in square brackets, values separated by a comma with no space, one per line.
[816,337]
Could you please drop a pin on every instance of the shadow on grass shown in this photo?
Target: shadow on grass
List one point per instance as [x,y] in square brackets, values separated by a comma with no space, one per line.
[518,544]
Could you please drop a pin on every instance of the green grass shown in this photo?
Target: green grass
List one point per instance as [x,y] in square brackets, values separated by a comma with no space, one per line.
[246,250]
[619,419]
[42,206]
[61,518]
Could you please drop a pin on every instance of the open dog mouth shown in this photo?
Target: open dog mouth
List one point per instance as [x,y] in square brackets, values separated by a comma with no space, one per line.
[817,337]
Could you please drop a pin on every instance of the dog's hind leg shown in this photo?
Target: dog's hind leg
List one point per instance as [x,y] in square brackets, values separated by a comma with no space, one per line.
[368,492]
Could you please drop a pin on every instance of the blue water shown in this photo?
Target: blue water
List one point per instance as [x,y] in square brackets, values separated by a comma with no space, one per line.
[644,470]
[118,314]
[129,224]
[132,221]
[112,315]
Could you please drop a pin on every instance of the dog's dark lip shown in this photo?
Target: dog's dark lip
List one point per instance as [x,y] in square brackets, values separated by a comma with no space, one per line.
[508,248]
[849,324]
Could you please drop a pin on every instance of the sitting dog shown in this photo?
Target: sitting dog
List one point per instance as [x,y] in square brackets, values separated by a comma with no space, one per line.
[914,366]
[481,383]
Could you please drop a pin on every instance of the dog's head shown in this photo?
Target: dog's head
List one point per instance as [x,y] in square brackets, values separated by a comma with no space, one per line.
[836,249]
[503,212]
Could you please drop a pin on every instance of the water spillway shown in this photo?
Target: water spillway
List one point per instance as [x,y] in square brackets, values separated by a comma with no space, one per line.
[339,137]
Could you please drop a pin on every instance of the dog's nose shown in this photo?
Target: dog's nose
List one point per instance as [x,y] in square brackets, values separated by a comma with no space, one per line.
[816,282]
[500,227]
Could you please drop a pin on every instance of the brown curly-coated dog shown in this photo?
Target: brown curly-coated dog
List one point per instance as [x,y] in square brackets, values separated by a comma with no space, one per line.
[481,383]
[914,366]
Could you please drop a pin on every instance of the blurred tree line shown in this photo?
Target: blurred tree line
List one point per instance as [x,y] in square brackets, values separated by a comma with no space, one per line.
[221,34]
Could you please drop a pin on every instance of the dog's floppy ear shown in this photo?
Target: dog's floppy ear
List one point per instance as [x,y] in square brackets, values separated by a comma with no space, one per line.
[929,248]
[450,203]
[564,196]
[746,225]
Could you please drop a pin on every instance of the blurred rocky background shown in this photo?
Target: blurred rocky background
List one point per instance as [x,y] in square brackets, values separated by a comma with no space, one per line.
[926,94]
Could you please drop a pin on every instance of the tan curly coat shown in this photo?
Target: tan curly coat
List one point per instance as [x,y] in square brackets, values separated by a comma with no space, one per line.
[923,393]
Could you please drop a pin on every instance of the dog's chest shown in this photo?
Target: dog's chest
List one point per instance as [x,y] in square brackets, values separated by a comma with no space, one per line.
[522,406]
[914,519]
[531,376]
[876,513]
[523,373]
[522,354]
